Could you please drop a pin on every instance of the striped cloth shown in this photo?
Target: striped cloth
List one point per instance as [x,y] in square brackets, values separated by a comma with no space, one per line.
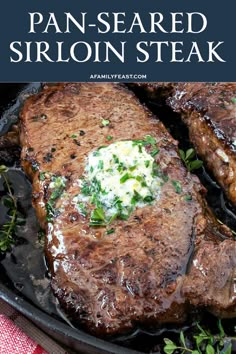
[20,336]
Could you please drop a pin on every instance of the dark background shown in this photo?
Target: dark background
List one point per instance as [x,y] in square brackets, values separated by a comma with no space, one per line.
[14,26]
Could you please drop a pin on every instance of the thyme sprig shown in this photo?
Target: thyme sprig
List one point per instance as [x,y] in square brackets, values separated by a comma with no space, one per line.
[7,230]
[205,342]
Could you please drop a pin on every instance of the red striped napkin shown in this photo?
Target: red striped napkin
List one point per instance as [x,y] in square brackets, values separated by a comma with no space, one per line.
[13,340]
[18,335]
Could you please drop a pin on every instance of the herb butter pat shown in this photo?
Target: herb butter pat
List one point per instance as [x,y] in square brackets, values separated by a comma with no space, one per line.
[118,178]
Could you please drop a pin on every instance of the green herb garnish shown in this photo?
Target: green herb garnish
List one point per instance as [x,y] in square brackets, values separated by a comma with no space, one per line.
[96,185]
[85,189]
[139,178]
[148,139]
[105,122]
[97,217]
[117,201]
[8,229]
[188,197]
[82,209]
[188,159]
[96,153]
[121,167]
[155,152]
[148,199]
[165,177]
[233,100]
[101,147]
[125,177]
[57,190]
[136,198]
[124,216]
[100,164]
[115,158]
[177,186]
[204,342]
[111,231]
[42,176]
[194,165]
[140,149]
[138,142]
[98,214]
[97,223]
[109,137]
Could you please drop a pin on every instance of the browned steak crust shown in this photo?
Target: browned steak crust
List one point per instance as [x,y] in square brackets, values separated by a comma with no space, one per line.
[138,274]
[209,111]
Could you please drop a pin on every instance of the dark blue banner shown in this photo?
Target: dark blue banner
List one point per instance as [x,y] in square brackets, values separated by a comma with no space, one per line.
[185,40]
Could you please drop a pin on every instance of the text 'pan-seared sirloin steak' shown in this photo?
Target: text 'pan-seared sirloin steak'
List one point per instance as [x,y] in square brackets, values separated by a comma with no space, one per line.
[129,239]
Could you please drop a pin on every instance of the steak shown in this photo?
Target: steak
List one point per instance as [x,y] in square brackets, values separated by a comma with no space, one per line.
[153,267]
[209,111]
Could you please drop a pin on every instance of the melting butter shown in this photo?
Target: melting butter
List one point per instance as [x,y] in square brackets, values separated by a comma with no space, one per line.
[120,177]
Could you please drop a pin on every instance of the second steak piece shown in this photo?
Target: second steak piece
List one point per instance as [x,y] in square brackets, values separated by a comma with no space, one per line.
[209,111]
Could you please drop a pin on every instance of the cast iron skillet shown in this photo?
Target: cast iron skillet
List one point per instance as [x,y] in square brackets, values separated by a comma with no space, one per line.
[73,338]
[24,281]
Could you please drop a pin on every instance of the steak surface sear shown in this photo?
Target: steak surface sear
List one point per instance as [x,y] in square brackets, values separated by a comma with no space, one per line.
[209,111]
[145,271]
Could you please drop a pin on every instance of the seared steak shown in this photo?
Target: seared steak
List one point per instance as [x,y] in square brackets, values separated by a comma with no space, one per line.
[211,280]
[209,111]
[140,270]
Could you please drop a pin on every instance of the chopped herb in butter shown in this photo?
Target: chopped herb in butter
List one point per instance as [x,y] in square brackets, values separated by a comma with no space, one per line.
[118,178]
[56,186]
[177,186]
[105,122]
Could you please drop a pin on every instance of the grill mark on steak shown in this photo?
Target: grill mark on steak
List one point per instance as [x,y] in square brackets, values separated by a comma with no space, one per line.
[138,274]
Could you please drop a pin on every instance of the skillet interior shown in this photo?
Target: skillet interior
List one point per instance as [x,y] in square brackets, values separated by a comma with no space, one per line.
[25,284]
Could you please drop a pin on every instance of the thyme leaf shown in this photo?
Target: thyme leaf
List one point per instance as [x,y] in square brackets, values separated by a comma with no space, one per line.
[189,161]
[7,230]
[203,342]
